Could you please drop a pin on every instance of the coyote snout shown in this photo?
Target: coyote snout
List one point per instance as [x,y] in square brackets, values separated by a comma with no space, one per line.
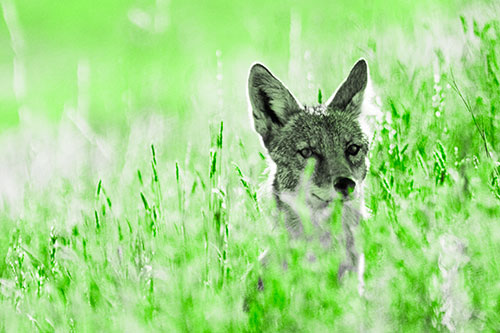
[345,186]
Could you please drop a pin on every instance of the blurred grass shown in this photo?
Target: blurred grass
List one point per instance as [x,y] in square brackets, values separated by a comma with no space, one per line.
[146,55]
[130,175]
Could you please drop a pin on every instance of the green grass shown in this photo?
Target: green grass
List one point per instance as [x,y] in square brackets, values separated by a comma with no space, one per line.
[158,224]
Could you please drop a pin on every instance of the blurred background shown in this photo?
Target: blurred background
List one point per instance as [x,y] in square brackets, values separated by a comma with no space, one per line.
[124,124]
[86,88]
[111,59]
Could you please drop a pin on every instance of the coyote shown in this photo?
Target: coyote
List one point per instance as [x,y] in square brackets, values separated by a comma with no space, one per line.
[329,138]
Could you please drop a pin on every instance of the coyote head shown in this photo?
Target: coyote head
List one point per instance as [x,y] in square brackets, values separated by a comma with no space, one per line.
[329,136]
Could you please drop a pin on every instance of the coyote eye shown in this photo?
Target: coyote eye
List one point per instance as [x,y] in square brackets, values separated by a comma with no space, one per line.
[353,150]
[306,152]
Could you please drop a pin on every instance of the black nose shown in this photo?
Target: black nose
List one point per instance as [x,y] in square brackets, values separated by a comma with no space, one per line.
[344,186]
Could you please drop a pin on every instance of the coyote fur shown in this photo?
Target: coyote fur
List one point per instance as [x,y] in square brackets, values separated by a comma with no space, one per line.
[327,139]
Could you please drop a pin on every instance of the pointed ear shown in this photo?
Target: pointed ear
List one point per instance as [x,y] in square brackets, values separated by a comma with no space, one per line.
[349,95]
[272,103]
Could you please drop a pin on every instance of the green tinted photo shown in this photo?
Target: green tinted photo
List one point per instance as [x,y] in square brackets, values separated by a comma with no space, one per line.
[249,166]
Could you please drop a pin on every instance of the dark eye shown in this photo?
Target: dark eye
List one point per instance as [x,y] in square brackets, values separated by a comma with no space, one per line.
[306,152]
[353,150]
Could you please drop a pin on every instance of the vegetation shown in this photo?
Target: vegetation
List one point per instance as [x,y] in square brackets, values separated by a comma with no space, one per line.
[132,194]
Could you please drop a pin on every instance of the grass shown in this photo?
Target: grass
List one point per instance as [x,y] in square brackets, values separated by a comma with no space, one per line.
[159,227]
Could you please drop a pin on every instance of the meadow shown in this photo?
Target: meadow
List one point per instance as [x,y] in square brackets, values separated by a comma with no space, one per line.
[133,187]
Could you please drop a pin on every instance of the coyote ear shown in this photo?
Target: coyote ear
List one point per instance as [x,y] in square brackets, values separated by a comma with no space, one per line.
[272,103]
[349,95]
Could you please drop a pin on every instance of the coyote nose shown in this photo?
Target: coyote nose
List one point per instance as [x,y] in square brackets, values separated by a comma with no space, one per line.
[344,186]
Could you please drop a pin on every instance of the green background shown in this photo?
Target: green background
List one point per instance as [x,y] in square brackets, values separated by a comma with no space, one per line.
[147,55]
[133,187]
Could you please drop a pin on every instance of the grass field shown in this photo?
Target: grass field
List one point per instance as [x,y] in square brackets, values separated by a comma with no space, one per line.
[132,184]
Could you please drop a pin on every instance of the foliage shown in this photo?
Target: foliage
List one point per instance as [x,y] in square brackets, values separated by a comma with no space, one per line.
[160,224]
